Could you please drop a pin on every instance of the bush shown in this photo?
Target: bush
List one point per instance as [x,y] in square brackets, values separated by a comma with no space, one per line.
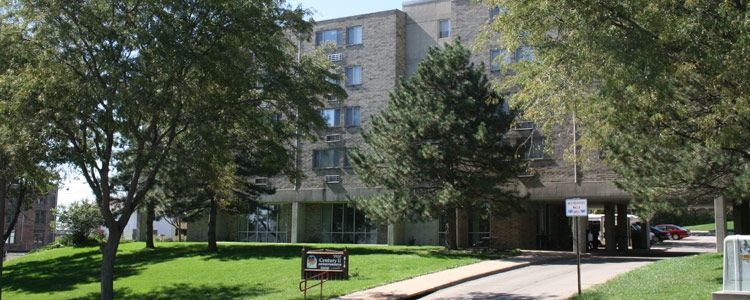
[82,219]
[75,241]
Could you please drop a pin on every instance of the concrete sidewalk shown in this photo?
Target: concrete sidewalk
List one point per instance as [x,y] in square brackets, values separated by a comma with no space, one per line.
[425,284]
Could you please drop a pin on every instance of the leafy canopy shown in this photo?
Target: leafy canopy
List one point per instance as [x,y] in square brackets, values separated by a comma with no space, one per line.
[118,83]
[660,87]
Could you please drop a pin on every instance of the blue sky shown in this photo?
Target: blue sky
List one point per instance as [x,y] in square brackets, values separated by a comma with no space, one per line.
[74,190]
[331,9]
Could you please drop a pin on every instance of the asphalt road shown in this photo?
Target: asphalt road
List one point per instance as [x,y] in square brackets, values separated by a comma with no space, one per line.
[559,280]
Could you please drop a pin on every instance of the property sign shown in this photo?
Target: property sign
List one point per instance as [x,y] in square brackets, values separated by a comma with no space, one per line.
[576,207]
[332,261]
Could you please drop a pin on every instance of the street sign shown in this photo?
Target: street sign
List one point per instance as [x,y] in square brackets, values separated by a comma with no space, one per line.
[576,207]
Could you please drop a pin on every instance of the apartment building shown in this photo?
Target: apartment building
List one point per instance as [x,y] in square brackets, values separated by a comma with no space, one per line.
[32,230]
[374,50]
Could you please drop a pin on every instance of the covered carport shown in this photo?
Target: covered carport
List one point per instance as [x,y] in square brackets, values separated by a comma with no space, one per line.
[600,195]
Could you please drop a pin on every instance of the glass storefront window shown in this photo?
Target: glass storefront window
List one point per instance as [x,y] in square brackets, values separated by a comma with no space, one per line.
[479,225]
[267,224]
[343,224]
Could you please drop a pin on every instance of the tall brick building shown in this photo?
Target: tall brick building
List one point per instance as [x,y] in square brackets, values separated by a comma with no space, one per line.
[374,50]
[32,230]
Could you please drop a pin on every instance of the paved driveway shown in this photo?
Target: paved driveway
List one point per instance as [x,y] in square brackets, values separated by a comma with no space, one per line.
[559,280]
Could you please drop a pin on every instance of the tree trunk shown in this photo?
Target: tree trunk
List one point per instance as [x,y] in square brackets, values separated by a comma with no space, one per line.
[212,247]
[150,217]
[3,194]
[450,229]
[741,214]
[16,212]
[109,252]
[179,229]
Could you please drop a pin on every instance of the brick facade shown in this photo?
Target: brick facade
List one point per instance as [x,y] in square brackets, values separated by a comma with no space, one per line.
[32,230]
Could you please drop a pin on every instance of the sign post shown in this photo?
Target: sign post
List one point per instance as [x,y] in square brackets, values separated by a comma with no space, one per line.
[577,207]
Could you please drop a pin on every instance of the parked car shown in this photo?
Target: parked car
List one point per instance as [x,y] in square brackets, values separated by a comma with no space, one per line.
[659,235]
[676,232]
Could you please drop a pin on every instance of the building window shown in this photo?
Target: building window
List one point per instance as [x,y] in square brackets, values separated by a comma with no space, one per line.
[533,148]
[11,238]
[267,224]
[479,225]
[343,224]
[326,158]
[9,215]
[332,116]
[498,58]
[40,217]
[445,29]
[38,236]
[328,36]
[332,80]
[276,118]
[332,98]
[354,75]
[354,35]
[352,116]
[502,108]
[525,54]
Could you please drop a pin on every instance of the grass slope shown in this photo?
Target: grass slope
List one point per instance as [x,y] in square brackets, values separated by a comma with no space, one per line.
[237,271]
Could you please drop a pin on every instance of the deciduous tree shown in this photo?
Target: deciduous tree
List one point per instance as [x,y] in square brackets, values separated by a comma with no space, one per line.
[27,159]
[120,81]
[660,88]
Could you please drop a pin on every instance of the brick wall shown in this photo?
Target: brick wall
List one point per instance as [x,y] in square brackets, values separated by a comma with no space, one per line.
[27,224]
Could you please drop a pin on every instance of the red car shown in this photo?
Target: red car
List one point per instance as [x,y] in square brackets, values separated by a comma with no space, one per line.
[676,232]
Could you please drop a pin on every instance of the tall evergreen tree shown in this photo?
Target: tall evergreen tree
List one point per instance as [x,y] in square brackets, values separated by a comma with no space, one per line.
[438,147]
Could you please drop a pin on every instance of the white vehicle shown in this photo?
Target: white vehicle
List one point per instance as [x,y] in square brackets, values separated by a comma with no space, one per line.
[597,222]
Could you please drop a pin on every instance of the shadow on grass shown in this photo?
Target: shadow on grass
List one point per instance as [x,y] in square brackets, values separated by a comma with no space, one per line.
[53,275]
[719,280]
[185,291]
[65,272]
[259,251]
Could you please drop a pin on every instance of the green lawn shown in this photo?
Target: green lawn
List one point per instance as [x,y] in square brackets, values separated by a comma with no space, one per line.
[708,227]
[237,271]
[690,277]
[272,271]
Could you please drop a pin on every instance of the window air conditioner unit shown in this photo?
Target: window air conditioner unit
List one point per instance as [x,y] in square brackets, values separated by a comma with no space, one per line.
[261,181]
[333,178]
[335,57]
[332,138]
[524,125]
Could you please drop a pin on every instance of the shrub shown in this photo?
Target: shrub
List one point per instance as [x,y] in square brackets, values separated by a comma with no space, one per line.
[82,219]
